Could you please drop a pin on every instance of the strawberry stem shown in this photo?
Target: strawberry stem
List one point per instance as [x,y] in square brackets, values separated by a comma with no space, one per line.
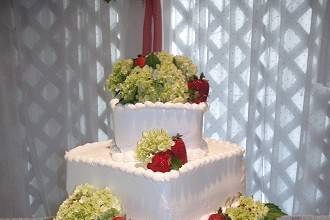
[176,137]
[202,76]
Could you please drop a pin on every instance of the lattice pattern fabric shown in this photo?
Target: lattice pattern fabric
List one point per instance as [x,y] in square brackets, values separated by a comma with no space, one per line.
[63,57]
[262,59]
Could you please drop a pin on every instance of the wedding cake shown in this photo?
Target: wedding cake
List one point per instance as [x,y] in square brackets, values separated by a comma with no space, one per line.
[154,172]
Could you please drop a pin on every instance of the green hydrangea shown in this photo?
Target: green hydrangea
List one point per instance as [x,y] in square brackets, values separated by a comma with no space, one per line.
[152,141]
[174,84]
[164,57]
[165,82]
[248,209]
[120,71]
[139,86]
[186,66]
[89,203]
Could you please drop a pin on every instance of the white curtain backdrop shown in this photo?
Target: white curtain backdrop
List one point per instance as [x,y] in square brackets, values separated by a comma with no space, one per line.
[55,56]
[268,66]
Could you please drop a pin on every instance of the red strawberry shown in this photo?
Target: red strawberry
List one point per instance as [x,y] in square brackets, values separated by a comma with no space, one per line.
[200,89]
[217,216]
[200,98]
[161,162]
[179,149]
[140,61]
[119,218]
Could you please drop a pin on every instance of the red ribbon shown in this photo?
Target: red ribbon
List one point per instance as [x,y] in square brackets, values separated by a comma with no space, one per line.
[152,25]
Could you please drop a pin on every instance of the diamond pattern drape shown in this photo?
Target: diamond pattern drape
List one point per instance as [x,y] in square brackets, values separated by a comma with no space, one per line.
[263,59]
[267,62]
[56,56]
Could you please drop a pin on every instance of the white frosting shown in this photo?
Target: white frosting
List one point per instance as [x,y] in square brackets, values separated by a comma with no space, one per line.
[130,156]
[197,188]
[188,106]
[129,121]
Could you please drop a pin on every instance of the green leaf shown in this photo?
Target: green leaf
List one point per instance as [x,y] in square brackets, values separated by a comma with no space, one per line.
[108,215]
[274,212]
[134,64]
[152,60]
[193,94]
[175,163]
[131,99]
[159,86]
[175,63]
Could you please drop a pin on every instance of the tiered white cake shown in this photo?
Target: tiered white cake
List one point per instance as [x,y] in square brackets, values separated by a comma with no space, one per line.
[214,172]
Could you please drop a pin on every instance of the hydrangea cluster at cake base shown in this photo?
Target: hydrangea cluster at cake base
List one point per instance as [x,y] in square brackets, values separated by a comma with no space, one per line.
[89,202]
[246,208]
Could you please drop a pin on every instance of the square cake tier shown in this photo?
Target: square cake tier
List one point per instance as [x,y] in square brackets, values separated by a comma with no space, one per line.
[197,188]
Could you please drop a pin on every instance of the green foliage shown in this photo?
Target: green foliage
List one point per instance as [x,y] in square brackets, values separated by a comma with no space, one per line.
[176,163]
[152,60]
[163,78]
[274,212]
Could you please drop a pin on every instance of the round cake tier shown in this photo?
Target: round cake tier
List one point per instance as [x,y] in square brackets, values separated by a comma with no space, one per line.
[129,121]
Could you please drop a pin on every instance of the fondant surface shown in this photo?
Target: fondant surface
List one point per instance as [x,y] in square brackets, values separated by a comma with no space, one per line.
[129,121]
[198,187]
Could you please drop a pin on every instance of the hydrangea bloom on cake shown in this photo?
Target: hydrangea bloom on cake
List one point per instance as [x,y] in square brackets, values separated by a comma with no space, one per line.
[186,66]
[160,152]
[245,208]
[159,76]
[88,202]
[152,142]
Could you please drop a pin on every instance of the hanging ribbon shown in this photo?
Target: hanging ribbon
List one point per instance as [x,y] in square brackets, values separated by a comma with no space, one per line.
[152,27]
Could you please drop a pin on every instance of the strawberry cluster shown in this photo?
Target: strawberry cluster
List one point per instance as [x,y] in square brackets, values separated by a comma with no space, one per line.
[173,158]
